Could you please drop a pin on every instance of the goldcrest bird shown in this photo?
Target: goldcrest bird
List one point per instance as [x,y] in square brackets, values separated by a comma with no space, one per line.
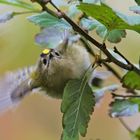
[53,70]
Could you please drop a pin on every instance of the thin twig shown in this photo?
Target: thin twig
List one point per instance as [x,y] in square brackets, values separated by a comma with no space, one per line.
[88,37]
[116,51]
[125,96]
[102,47]
[125,125]
[108,67]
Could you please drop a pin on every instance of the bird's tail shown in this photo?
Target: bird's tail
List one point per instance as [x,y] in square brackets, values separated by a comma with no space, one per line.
[13,87]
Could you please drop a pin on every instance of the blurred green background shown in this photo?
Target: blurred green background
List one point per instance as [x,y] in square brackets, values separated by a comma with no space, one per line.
[38,117]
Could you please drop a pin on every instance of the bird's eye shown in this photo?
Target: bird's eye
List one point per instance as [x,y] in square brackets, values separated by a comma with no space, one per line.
[45,52]
[44,61]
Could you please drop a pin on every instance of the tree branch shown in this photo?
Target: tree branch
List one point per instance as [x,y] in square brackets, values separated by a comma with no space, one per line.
[116,51]
[125,96]
[76,28]
[100,46]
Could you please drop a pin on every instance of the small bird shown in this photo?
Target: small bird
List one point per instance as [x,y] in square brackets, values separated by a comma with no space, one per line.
[54,68]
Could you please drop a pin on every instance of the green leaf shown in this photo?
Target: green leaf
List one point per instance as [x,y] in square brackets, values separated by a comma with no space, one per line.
[136,134]
[77,106]
[103,14]
[114,36]
[66,137]
[18,3]
[111,19]
[122,107]
[46,20]
[131,79]
[138,2]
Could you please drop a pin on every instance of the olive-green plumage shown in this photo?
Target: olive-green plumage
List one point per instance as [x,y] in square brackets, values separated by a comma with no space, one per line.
[72,63]
[51,74]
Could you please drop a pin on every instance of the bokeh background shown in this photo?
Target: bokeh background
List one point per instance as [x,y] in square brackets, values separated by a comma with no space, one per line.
[38,117]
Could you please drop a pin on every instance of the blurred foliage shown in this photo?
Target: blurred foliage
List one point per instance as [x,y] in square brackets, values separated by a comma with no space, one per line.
[25,41]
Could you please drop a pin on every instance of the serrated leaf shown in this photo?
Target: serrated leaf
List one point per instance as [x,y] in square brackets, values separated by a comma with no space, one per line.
[6,16]
[114,36]
[77,106]
[103,14]
[46,20]
[132,80]
[110,18]
[66,137]
[136,134]
[122,107]
[138,2]
[18,3]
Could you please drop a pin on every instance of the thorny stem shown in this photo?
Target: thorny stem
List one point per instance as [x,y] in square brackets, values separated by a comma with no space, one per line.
[100,46]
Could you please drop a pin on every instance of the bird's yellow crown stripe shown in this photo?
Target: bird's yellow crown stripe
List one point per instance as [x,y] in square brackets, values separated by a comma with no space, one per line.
[46,51]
